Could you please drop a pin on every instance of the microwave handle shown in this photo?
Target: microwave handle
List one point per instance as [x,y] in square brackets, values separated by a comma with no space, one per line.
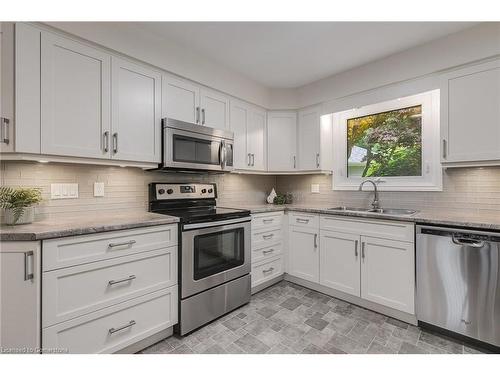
[222,153]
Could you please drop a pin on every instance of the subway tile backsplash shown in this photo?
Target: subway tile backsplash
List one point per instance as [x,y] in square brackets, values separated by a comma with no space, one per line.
[125,188]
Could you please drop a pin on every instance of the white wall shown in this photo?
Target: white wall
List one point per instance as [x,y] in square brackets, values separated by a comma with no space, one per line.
[129,39]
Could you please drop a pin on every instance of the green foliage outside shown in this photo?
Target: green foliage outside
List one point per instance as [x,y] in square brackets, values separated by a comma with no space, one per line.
[393,141]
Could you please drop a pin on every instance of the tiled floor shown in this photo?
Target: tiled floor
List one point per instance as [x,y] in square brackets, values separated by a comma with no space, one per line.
[287,318]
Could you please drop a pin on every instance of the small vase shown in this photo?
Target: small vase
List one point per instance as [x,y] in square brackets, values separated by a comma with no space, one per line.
[27,217]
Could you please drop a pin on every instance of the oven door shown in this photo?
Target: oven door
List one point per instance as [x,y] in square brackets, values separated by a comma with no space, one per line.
[214,253]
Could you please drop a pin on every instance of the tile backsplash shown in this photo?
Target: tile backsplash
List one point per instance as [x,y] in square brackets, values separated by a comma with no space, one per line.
[125,188]
[463,189]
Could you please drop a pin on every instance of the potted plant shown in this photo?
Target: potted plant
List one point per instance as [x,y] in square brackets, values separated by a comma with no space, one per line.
[18,204]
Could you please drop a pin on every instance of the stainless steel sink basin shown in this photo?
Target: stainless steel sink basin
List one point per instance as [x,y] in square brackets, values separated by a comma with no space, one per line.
[385,211]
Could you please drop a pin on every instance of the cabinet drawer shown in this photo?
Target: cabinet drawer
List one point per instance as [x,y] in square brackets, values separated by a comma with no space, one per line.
[264,237]
[71,251]
[266,252]
[265,271]
[266,220]
[303,219]
[75,291]
[394,230]
[100,332]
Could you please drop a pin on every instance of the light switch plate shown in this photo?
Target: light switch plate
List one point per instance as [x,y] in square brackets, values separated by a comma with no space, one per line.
[63,191]
[98,189]
[315,188]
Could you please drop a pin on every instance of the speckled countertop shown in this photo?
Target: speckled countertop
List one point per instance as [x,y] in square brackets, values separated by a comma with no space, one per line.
[472,219]
[83,224]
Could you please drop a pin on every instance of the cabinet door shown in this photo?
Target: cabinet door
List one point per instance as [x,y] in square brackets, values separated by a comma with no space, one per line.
[256,130]
[471,114]
[75,97]
[20,295]
[180,100]
[304,253]
[136,125]
[239,121]
[282,141]
[214,109]
[388,273]
[309,139]
[6,86]
[339,261]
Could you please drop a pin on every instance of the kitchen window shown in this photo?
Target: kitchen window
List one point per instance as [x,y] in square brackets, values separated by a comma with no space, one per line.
[396,143]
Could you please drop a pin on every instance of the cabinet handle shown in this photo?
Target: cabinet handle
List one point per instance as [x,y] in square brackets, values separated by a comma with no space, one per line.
[5,130]
[294,162]
[124,280]
[444,149]
[267,251]
[203,116]
[363,250]
[315,240]
[115,143]
[127,243]
[317,160]
[268,270]
[268,236]
[356,248]
[29,265]
[197,115]
[106,141]
[253,160]
[299,220]
[114,330]
[267,220]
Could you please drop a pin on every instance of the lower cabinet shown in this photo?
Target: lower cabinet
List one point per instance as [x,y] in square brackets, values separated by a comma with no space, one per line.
[304,253]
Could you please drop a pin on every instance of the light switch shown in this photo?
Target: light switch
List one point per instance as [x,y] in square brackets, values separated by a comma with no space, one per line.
[98,189]
[315,188]
[63,191]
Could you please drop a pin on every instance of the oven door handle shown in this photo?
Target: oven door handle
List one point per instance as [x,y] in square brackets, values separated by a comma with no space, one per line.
[216,223]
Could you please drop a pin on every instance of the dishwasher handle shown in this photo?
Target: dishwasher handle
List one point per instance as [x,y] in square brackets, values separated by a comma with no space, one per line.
[466,241]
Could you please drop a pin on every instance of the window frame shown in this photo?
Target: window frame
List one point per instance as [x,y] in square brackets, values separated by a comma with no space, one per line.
[431,179]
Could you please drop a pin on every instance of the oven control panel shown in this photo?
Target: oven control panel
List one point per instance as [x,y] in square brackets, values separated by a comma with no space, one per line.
[184,191]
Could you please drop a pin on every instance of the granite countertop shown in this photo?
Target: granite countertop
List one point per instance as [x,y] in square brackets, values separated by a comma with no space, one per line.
[82,224]
[470,219]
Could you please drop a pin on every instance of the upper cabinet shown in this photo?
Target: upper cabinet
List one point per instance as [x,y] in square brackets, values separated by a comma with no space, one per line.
[470,115]
[136,112]
[75,98]
[282,141]
[314,140]
[248,124]
[185,101]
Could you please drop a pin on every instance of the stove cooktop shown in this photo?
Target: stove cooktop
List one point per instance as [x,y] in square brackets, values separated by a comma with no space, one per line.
[202,214]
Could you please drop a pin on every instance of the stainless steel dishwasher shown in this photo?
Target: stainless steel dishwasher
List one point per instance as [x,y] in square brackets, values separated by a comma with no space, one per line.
[458,282]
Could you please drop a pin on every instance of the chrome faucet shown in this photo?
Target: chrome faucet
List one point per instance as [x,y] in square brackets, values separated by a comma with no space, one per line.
[375,203]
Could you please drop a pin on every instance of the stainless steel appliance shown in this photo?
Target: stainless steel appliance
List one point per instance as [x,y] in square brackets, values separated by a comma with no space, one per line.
[458,281]
[189,146]
[214,259]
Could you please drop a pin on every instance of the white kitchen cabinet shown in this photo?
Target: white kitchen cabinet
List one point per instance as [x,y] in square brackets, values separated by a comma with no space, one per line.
[248,124]
[214,109]
[180,99]
[75,98]
[282,141]
[339,261]
[388,273]
[470,115]
[20,296]
[315,142]
[136,113]
[303,256]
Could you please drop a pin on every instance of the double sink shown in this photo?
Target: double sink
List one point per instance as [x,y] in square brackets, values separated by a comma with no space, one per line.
[382,211]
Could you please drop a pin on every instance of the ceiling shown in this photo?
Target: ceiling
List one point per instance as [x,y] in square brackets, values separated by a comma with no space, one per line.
[292,54]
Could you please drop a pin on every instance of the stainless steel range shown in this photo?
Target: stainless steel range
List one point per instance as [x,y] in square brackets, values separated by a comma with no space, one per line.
[214,261]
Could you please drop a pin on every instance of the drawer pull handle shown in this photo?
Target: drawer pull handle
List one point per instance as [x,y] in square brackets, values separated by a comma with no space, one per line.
[124,280]
[268,251]
[127,243]
[267,220]
[305,221]
[114,330]
[268,236]
[268,270]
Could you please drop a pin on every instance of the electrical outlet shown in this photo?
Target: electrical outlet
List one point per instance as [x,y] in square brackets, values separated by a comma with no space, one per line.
[63,191]
[98,189]
[315,188]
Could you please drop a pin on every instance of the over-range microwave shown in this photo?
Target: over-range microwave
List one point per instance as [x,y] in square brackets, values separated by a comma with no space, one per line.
[193,147]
